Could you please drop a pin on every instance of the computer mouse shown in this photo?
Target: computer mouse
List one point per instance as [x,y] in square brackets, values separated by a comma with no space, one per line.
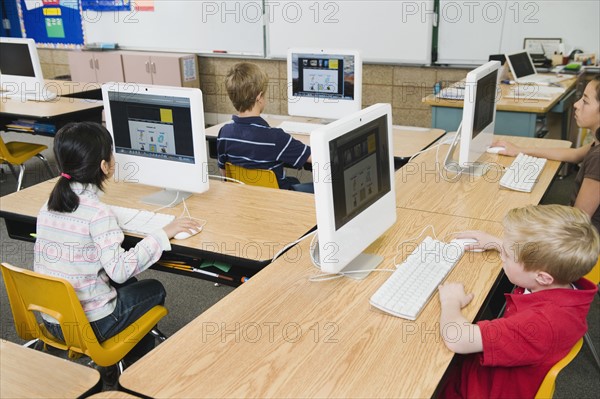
[185,234]
[494,150]
[462,242]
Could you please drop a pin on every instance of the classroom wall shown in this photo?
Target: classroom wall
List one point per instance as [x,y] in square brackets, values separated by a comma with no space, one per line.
[401,86]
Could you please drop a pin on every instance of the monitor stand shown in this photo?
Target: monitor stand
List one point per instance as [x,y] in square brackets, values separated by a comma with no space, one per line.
[166,198]
[475,169]
[358,269]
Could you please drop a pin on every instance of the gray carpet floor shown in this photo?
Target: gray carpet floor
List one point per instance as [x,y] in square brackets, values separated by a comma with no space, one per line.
[187,298]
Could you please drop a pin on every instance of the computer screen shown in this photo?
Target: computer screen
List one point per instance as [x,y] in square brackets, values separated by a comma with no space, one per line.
[324,83]
[353,174]
[478,119]
[21,71]
[521,64]
[159,140]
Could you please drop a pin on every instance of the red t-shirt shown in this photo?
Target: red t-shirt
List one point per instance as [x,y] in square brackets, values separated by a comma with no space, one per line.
[536,331]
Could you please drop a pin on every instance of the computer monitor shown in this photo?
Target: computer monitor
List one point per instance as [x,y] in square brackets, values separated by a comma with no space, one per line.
[353,174]
[521,65]
[476,130]
[159,140]
[324,83]
[20,70]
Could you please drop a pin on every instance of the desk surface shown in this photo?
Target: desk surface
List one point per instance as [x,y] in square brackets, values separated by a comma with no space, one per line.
[407,140]
[247,222]
[510,104]
[424,185]
[281,336]
[60,106]
[27,373]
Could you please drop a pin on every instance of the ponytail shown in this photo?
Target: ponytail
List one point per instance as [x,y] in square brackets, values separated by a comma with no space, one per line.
[62,198]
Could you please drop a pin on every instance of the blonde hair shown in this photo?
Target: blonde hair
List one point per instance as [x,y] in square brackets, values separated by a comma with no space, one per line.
[559,240]
[244,82]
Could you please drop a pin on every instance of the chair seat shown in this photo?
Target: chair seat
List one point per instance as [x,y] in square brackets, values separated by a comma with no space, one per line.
[21,152]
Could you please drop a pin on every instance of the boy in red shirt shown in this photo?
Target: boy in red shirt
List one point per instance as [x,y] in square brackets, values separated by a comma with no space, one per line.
[546,250]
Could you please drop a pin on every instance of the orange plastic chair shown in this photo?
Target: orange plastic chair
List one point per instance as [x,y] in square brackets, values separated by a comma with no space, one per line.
[253,177]
[594,277]
[546,390]
[17,153]
[30,292]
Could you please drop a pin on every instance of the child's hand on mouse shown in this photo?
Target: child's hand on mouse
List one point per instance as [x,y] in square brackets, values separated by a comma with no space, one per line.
[485,241]
[183,224]
[509,148]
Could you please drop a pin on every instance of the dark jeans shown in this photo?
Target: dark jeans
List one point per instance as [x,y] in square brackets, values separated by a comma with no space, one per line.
[134,299]
[302,187]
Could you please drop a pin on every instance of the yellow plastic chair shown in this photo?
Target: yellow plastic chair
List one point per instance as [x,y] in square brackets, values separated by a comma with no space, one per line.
[30,292]
[253,177]
[546,390]
[17,153]
[594,277]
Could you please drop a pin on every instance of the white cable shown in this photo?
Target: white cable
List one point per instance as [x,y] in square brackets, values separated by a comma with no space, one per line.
[312,233]
[168,205]
[225,178]
[398,252]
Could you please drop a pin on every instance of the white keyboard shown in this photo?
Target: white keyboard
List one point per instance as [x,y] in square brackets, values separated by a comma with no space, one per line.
[139,221]
[523,173]
[406,292]
[305,128]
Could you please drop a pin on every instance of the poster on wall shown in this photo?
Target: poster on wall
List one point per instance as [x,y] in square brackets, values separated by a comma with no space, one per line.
[52,23]
[105,5]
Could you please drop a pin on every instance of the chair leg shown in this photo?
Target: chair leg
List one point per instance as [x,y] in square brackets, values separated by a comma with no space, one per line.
[158,335]
[46,163]
[20,178]
[590,344]
[13,171]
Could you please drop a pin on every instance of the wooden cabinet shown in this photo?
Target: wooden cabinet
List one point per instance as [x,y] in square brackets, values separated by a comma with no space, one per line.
[167,69]
[96,66]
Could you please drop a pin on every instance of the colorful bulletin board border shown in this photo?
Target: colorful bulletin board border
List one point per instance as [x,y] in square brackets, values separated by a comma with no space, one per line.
[52,23]
[106,5]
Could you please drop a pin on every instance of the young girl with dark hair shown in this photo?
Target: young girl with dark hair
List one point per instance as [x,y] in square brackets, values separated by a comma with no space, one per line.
[78,239]
[586,195]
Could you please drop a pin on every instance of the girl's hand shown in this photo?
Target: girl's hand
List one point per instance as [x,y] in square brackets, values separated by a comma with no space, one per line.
[183,224]
[509,148]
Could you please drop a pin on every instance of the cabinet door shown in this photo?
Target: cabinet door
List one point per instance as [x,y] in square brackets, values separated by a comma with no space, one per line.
[109,67]
[165,70]
[81,65]
[136,68]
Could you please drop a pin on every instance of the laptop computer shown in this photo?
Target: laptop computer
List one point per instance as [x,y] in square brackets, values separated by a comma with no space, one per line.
[523,70]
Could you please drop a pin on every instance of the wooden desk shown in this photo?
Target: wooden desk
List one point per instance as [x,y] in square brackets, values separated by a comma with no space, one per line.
[423,184]
[407,140]
[246,225]
[281,336]
[514,116]
[27,373]
[67,88]
[58,112]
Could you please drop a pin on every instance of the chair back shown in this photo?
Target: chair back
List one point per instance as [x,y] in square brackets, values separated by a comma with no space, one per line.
[5,154]
[546,390]
[253,177]
[30,293]
[594,274]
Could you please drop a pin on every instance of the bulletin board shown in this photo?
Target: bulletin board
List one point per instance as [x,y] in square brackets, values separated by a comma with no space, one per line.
[54,23]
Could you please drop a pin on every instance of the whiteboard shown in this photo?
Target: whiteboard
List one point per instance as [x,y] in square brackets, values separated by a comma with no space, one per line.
[470,31]
[193,26]
[387,31]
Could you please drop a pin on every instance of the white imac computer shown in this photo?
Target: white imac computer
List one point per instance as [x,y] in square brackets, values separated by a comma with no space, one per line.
[324,83]
[353,174]
[20,71]
[476,130]
[159,140]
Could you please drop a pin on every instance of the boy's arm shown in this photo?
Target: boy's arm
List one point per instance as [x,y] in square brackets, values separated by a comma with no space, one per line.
[459,335]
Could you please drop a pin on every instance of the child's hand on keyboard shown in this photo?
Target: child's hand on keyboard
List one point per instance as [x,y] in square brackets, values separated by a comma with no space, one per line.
[485,241]
[183,224]
[454,293]
[509,148]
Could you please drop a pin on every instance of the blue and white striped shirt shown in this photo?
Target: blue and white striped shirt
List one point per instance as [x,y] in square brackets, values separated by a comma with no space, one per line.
[251,143]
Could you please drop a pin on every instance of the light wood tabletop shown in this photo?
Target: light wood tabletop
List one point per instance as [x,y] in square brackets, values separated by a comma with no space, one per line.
[69,88]
[47,109]
[252,223]
[524,103]
[27,373]
[408,140]
[423,184]
[282,336]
